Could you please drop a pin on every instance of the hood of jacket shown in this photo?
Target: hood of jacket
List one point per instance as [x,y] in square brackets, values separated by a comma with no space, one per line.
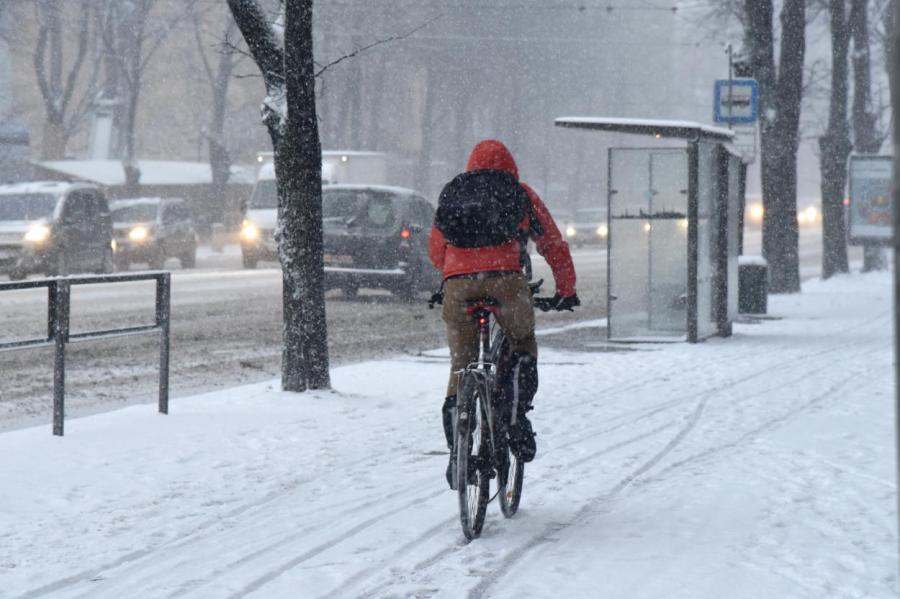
[492,154]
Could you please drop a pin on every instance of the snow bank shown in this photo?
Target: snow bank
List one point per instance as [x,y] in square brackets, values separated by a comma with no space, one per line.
[756,466]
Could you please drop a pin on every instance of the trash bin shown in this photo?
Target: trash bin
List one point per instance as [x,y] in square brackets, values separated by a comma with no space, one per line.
[753,285]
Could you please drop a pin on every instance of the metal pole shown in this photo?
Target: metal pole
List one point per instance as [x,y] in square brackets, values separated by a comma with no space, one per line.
[163,313]
[895,100]
[730,82]
[693,154]
[60,312]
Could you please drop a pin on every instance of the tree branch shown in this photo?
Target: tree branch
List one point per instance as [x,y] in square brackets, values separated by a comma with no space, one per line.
[71,80]
[376,43]
[261,41]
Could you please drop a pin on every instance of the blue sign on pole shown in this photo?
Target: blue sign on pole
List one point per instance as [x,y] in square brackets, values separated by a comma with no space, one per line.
[736,101]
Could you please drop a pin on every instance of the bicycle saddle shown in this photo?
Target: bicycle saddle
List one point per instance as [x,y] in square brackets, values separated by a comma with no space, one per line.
[482,306]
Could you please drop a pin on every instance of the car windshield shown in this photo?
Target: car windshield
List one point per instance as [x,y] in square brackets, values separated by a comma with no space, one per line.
[372,209]
[590,215]
[139,213]
[265,195]
[26,206]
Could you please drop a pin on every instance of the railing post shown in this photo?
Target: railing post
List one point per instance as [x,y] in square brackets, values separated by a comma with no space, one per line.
[60,317]
[163,296]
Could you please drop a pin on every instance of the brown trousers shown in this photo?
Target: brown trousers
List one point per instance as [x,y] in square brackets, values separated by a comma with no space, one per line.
[516,317]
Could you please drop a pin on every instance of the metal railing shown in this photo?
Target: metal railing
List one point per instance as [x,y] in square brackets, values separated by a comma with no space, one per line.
[58,311]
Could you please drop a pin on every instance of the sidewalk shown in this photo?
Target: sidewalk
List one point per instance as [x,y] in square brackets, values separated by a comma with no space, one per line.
[757,466]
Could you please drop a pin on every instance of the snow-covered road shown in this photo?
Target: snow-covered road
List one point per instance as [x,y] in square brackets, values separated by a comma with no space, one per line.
[757,466]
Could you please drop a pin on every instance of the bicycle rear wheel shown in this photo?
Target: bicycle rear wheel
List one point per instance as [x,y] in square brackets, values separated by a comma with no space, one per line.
[472,456]
[510,493]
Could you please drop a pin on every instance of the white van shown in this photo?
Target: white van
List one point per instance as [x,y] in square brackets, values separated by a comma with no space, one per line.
[258,229]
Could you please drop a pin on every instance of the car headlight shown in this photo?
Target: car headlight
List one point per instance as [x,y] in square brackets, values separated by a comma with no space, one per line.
[756,212]
[570,231]
[249,231]
[809,215]
[602,230]
[38,234]
[138,233]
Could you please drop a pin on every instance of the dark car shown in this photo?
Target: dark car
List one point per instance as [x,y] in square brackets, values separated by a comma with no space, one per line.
[54,228]
[377,236]
[151,230]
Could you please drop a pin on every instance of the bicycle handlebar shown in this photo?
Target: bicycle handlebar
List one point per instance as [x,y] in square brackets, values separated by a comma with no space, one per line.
[544,304]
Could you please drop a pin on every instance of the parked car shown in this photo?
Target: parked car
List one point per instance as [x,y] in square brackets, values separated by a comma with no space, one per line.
[587,226]
[153,229]
[54,228]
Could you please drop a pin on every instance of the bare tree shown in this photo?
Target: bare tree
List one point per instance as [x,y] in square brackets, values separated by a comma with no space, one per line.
[66,89]
[781,93]
[867,138]
[835,146]
[218,77]
[131,37]
[289,113]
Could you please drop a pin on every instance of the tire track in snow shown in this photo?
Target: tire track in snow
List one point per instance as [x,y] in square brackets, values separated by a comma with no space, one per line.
[522,550]
[546,536]
[196,535]
[158,568]
[644,413]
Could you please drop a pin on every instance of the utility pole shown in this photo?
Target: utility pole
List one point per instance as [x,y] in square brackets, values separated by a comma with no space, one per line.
[895,102]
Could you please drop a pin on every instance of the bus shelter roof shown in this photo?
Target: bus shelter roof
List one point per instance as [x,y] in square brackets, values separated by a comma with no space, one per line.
[658,128]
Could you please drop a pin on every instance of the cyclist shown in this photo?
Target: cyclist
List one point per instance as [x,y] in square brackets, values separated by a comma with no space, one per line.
[495,271]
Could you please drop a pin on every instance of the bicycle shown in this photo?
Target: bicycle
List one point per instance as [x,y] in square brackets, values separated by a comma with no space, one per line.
[481,415]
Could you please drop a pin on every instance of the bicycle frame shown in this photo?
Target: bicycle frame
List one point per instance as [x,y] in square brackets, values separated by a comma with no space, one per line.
[484,370]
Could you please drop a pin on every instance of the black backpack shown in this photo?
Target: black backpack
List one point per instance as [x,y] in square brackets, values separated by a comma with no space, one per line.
[482,208]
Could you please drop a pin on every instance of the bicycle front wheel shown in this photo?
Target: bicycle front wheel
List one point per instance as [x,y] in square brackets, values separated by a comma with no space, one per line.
[472,456]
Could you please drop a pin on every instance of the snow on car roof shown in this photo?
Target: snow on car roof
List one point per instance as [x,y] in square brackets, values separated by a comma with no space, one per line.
[53,187]
[361,186]
[153,172]
[138,201]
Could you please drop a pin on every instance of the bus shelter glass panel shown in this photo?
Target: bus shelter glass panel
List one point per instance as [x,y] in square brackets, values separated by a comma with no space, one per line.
[707,203]
[647,244]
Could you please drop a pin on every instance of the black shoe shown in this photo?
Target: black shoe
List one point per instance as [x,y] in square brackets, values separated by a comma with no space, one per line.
[451,472]
[521,439]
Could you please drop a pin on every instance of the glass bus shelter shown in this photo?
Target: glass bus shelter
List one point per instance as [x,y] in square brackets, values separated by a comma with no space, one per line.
[672,247]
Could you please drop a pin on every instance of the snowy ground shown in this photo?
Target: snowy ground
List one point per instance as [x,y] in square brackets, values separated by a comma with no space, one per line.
[757,466]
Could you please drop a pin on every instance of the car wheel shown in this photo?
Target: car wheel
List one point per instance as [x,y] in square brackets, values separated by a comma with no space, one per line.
[60,267]
[107,264]
[16,274]
[122,263]
[249,260]
[189,258]
[157,261]
[407,290]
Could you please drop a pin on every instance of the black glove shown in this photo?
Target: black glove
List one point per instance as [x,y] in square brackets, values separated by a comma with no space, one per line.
[560,303]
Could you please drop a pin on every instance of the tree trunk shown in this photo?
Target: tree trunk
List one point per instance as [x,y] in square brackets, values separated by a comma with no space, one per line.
[423,170]
[219,157]
[300,211]
[865,131]
[835,147]
[53,140]
[780,99]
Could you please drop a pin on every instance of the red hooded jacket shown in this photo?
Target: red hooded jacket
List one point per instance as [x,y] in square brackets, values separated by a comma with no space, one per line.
[452,260]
